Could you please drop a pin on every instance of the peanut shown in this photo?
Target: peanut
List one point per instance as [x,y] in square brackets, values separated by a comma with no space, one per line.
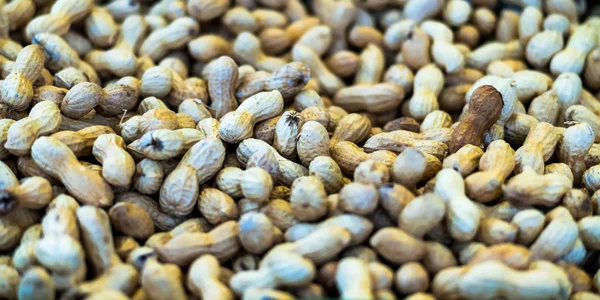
[117,165]
[61,55]
[44,118]
[268,148]
[485,101]
[62,14]
[86,185]
[30,193]
[289,170]
[173,36]
[203,279]
[546,190]
[289,79]
[110,101]
[576,142]
[221,86]
[163,144]
[514,282]
[120,59]
[329,82]
[485,185]
[558,238]
[238,125]
[572,57]
[184,248]
[17,89]
[463,216]
[179,192]
[537,148]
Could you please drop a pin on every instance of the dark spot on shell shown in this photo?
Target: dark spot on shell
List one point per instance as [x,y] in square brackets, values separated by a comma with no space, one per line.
[79,295]
[7,202]
[586,205]
[156,144]
[293,118]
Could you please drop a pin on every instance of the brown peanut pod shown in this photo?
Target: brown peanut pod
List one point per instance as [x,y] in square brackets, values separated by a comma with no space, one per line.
[343,63]
[131,220]
[119,97]
[485,101]
[415,50]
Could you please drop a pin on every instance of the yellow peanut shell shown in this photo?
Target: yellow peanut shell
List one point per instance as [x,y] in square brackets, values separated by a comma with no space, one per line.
[59,161]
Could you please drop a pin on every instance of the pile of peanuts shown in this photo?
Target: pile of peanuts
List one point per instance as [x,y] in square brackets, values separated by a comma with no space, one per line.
[287,149]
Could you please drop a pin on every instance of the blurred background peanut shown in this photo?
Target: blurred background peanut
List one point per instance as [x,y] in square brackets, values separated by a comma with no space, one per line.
[285,149]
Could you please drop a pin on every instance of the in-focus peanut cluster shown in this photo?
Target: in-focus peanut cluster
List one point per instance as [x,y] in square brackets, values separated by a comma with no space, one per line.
[288,149]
